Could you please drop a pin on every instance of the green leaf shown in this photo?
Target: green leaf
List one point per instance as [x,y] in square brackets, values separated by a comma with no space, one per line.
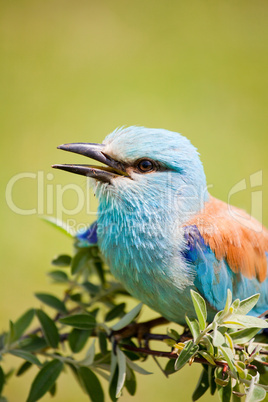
[58,276]
[94,312]
[33,343]
[207,356]
[23,323]
[80,321]
[221,382]
[59,225]
[76,297]
[26,356]
[170,369]
[263,372]
[236,304]
[131,355]
[11,333]
[253,349]
[113,366]
[189,351]
[173,334]
[2,379]
[91,384]
[115,312]
[98,265]
[225,392]
[202,386]
[127,318]
[194,327]
[49,328]
[244,335]
[53,389]
[207,341]
[137,368]
[103,342]
[121,359]
[247,305]
[113,384]
[130,383]
[229,340]
[2,340]
[74,371]
[51,301]
[218,317]
[200,308]
[241,369]
[79,261]
[91,288]
[256,394]
[218,338]
[245,321]
[229,357]
[62,260]
[236,397]
[102,359]
[89,358]
[228,302]
[44,380]
[23,368]
[211,379]
[169,342]
[78,338]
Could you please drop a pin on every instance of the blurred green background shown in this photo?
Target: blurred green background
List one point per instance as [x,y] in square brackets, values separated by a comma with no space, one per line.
[73,71]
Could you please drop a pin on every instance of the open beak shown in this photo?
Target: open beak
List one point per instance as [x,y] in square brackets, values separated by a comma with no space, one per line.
[105,174]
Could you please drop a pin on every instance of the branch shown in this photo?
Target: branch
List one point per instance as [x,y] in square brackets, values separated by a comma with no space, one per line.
[172,355]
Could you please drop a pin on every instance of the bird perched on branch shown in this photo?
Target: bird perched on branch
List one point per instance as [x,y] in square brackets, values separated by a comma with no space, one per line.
[161,232]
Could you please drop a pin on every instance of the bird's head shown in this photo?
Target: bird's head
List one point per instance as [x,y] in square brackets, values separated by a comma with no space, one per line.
[144,169]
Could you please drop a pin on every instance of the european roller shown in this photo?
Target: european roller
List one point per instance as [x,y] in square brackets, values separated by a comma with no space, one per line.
[162,233]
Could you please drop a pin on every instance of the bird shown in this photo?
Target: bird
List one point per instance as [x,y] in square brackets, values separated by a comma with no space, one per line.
[160,231]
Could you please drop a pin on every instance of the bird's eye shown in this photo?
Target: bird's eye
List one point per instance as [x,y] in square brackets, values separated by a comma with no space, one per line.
[145,166]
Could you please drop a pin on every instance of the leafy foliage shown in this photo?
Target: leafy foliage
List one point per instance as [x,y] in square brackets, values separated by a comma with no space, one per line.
[95,325]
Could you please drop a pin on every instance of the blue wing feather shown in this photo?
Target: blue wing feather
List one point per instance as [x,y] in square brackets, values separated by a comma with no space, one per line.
[214,277]
[87,237]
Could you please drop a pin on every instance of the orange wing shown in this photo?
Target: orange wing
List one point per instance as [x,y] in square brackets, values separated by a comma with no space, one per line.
[241,240]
